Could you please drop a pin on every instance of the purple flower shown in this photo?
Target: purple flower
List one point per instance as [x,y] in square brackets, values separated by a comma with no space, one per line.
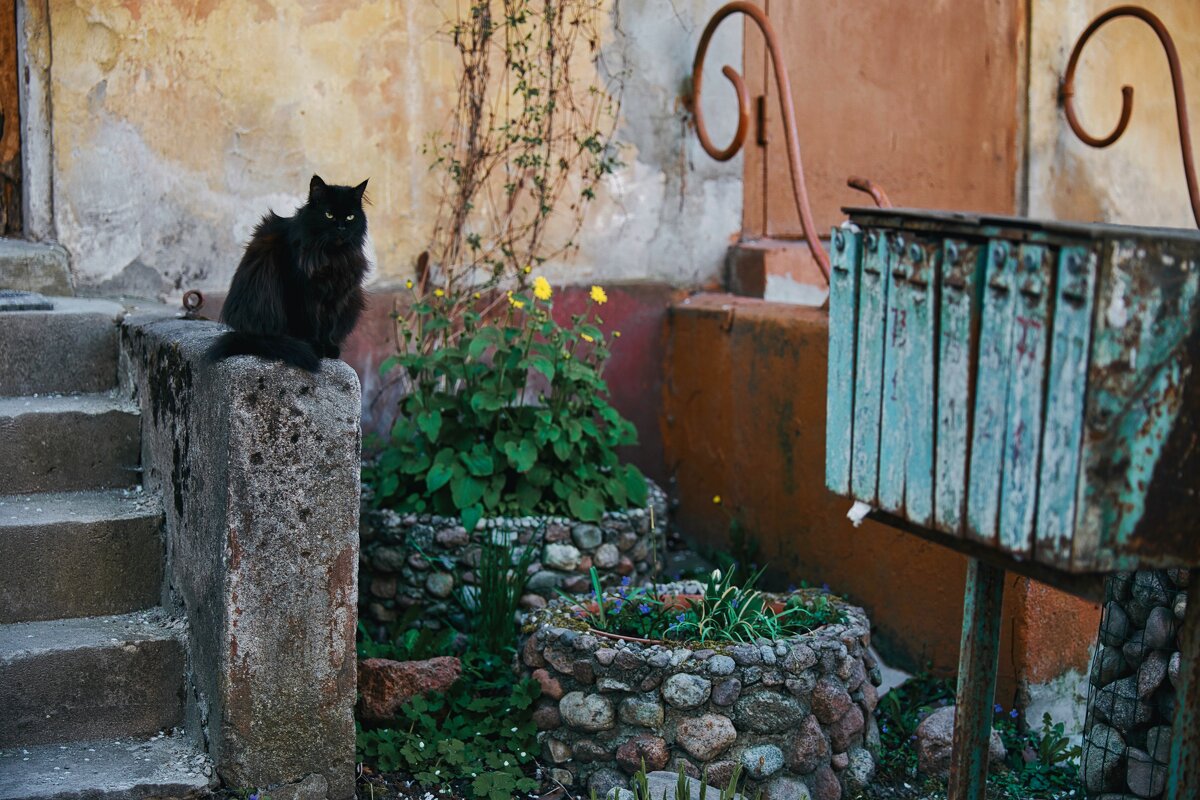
[825,588]
[681,618]
[999,709]
[884,727]
[617,606]
[253,796]
[1013,713]
[625,581]
[734,602]
[644,608]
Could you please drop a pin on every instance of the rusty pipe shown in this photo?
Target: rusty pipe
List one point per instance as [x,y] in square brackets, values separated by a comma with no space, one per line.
[872,188]
[1067,94]
[799,189]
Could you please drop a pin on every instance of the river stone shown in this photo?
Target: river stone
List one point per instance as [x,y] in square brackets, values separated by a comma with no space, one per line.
[824,785]
[389,559]
[935,736]
[546,716]
[551,688]
[859,772]
[1180,606]
[799,659]
[439,584]
[685,691]
[645,711]
[762,761]
[1114,625]
[561,556]
[663,784]
[1108,666]
[848,730]
[452,537]
[587,537]
[721,665]
[726,692]
[606,780]
[1146,777]
[557,751]
[1173,668]
[1152,673]
[705,737]
[786,789]
[830,700]
[606,556]
[746,655]
[1119,704]
[808,747]
[1103,755]
[767,712]
[1158,743]
[545,581]
[1150,587]
[1160,629]
[643,749]
[587,712]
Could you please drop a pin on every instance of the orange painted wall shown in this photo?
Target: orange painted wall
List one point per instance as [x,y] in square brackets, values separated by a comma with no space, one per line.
[744,418]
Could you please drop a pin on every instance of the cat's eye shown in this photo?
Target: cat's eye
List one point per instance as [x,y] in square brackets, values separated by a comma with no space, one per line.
[328,215]
[350,217]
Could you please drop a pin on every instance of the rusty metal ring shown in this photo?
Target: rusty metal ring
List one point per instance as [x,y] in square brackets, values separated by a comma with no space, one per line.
[193,301]
[1067,95]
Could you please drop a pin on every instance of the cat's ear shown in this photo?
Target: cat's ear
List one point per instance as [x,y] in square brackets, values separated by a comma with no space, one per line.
[316,188]
[361,189]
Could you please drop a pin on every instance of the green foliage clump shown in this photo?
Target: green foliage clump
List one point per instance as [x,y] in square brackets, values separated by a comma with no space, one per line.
[480,732]
[723,612]
[506,414]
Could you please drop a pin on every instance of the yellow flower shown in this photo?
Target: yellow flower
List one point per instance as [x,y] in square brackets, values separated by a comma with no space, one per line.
[586,338]
[408,284]
[528,269]
[541,288]
[515,303]
[476,295]
[616,334]
[438,293]
[716,499]
[598,295]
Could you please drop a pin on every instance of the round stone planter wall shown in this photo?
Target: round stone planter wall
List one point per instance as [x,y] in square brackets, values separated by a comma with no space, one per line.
[411,560]
[795,713]
[1131,699]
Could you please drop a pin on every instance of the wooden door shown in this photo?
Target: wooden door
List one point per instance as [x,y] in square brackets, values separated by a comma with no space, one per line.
[10,123]
[922,96]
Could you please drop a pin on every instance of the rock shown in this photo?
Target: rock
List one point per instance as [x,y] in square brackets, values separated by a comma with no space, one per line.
[1180,577]
[808,747]
[1173,668]
[847,731]
[386,685]
[1180,606]
[830,700]
[383,587]
[1103,757]
[643,710]
[1108,665]
[587,712]
[1119,704]
[551,688]
[606,556]
[440,584]
[545,581]
[561,556]
[935,736]
[767,712]
[1151,587]
[1152,673]
[1160,629]
[546,716]
[858,773]
[839,761]
[824,785]
[587,537]
[685,691]
[746,655]
[727,692]
[557,750]
[606,780]
[605,655]
[705,737]
[627,659]
[663,784]
[717,773]
[1114,625]
[762,761]
[531,602]
[313,787]
[643,750]
[799,659]
[389,558]
[625,566]
[1146,777]
[452,537]
[587,750]
[1158,743]
[786,789]
[583,671]
[1135,649]
[721,665]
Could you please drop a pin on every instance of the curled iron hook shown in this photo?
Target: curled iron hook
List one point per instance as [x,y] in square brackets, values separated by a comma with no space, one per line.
[1067,93]
[799,190]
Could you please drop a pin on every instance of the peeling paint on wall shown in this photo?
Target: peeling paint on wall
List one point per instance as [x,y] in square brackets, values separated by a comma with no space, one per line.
[177,124]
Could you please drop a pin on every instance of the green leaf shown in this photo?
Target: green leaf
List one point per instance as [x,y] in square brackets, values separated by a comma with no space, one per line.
[430,424]
[470,517]
[466,490]
[585,506]
[438,476]
[542,365]
[387,364]
[479,461]
[522,455]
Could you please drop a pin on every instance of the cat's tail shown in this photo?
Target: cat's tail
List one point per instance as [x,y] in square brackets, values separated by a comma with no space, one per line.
[272,347]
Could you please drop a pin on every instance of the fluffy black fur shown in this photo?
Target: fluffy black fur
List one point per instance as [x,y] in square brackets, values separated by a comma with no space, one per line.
[297,292]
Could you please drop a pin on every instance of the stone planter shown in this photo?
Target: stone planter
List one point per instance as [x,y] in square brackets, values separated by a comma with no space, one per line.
[424,560]
[795,713]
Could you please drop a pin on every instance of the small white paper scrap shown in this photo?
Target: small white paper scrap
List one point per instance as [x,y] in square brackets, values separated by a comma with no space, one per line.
[858,512]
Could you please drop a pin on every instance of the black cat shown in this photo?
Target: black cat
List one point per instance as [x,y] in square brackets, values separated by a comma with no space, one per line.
[297,292]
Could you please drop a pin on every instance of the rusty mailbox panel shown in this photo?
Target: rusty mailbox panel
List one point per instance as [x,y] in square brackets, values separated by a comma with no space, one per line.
[1027,386]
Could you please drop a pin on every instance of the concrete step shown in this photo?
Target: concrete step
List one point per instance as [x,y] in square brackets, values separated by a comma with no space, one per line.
[58,443]
[35,267]
[79,554]
[70,349]
[101,677]
[165,767]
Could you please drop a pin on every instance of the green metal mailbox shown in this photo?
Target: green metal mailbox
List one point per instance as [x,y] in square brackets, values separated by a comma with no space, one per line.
[1028,387]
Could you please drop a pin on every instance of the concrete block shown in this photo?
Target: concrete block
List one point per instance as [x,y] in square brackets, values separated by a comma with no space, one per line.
[72,349]
[161,768]
[80,554]
[259,467]
[57,443]
[101,677]
[35,267]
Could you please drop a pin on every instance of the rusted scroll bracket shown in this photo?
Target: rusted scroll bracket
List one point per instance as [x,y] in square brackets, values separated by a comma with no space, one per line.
[787,108]
[1067,94]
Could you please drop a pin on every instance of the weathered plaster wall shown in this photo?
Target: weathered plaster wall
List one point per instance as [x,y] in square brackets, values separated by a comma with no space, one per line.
[177,124]
[1138,180]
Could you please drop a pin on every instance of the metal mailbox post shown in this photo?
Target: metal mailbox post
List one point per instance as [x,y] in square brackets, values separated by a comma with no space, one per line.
[1027,393]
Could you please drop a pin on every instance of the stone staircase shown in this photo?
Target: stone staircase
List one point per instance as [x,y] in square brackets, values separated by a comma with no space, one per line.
[91,667]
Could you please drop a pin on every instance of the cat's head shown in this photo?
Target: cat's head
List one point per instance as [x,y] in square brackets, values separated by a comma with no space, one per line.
[334,215]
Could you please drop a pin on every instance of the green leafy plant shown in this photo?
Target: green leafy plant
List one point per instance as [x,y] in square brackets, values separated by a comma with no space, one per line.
[511,417]
[1041,764]
[406,643]
[479,733]
[640,785]
[722,612]
[492,604]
